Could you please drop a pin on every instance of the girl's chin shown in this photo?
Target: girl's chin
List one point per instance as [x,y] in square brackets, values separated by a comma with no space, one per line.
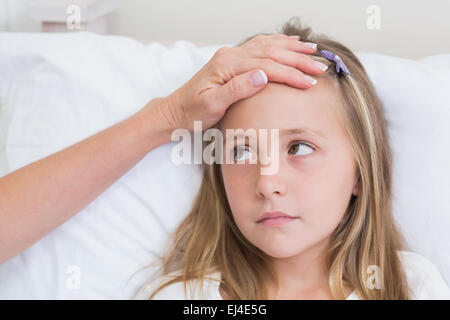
[281,252]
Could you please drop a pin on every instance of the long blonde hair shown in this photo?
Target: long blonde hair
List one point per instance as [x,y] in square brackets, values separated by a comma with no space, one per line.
[208,239]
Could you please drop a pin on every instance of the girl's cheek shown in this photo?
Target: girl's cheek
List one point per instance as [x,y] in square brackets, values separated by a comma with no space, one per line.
[238,173]
[302,163]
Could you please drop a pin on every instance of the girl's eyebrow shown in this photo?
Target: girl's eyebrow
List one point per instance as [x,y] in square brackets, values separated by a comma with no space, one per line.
[304,130]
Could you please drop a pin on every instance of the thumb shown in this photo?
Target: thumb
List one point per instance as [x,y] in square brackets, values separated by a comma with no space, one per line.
[242,86]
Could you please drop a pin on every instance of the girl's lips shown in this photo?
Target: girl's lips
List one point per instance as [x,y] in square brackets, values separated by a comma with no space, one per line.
[272,222]
[273,215]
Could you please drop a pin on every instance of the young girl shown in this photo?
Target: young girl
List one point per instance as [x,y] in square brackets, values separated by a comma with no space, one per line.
[321,226]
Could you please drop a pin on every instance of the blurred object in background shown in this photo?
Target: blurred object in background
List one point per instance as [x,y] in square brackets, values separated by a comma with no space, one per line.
[72,15]
[362,25]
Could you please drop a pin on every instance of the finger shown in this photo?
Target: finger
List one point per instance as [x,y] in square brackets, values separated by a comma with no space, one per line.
[288,53]
[280,36]
[275,71]
[270,36]
[276,36]
[284,36]
[281,73]
[300,61]
[240,87]
[258,46]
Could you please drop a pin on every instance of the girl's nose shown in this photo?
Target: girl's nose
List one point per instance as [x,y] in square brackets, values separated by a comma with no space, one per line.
[268,186]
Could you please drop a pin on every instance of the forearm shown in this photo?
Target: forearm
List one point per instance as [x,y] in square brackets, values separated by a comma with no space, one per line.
[39,197]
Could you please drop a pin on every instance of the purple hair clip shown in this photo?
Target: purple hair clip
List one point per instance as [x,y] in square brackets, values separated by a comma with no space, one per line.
[334,57]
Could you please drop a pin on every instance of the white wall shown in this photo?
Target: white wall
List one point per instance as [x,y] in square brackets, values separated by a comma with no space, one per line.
[413,28]
[3,16]
[13,17]
[410,28]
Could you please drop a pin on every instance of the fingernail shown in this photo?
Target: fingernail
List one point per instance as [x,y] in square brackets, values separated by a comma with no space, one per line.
[310,45]
[258,78]
[310,79]
[321,65]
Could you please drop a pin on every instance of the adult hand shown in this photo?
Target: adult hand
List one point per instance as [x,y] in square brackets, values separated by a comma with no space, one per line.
[236,73]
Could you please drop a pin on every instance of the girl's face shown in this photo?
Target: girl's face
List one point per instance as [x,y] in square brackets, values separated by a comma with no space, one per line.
[316,176]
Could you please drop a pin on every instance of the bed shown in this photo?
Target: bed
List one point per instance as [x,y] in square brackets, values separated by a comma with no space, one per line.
[57,89]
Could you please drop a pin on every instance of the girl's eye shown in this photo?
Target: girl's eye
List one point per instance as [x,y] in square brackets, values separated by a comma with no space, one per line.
[300,148]
[297,148]
[239,152]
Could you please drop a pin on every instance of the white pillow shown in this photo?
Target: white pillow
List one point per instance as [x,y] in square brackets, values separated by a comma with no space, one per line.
[62,88]
[415,96]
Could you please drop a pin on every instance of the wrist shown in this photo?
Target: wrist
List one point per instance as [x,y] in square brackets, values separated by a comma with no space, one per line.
[153,123]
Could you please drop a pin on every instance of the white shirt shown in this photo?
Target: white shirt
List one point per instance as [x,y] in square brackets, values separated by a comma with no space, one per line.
[424,281]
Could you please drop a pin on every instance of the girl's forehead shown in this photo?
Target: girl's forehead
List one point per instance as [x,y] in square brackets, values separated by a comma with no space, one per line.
[284,107]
